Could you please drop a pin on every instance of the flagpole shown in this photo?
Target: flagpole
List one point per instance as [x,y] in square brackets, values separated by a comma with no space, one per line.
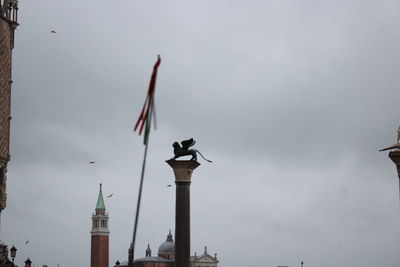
[131,255]
[145,118]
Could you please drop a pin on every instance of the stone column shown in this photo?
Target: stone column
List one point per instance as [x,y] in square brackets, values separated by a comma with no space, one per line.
[183,170]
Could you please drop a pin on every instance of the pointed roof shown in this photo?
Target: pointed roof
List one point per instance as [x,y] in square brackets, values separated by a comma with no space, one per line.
[100,201]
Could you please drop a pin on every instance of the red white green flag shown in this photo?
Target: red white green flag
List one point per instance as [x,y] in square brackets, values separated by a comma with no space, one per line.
[148,110]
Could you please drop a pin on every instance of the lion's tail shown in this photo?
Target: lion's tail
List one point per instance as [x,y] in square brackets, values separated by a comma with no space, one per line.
[203,156]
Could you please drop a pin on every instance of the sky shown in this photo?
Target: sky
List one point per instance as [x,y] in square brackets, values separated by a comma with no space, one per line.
[291,100]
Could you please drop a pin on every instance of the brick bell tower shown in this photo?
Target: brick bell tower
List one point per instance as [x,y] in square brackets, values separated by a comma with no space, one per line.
[99,233]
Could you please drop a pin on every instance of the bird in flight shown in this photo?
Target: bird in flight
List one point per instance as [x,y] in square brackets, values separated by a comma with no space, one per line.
[26,242]
[53,31]
[169,185]
[110,195]
[92,162]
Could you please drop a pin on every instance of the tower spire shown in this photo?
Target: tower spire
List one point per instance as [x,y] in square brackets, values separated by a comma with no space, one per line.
[148,251]
[100,200]
[169,236]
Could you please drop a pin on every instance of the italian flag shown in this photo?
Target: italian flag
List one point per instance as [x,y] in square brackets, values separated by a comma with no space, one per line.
[148,110]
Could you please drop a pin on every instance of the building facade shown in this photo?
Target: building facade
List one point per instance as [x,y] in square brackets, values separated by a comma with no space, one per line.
[99,234]
[166,257]
[8,24]
[204,260]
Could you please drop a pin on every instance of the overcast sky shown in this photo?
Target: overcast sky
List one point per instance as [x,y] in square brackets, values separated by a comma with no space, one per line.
[290,99]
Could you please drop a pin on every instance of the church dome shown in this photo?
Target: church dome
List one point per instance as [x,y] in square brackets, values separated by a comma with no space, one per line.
[168,247]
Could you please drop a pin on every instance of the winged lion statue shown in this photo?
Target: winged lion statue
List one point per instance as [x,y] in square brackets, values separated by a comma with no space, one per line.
[185,150]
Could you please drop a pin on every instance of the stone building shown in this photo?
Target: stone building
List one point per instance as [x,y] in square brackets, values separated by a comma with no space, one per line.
[8,24]
[99,234]
[204,260]
[166,257]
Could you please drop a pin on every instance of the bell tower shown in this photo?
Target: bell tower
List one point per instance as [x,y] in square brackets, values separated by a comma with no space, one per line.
[99,233]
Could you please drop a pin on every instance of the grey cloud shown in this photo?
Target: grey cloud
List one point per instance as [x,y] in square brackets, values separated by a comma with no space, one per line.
[291,100]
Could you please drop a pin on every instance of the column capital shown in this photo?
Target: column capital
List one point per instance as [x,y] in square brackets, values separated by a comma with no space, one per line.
[183,169]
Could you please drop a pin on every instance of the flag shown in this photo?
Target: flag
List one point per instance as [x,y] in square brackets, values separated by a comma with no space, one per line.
[148,110]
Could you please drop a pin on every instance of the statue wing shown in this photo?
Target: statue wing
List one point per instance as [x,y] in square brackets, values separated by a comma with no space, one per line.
[188,143]
[391,147]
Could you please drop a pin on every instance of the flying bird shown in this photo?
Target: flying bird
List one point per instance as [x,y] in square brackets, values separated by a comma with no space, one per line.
[110,195]
[169,185]
[92,162]
[26,242]
[53,31]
